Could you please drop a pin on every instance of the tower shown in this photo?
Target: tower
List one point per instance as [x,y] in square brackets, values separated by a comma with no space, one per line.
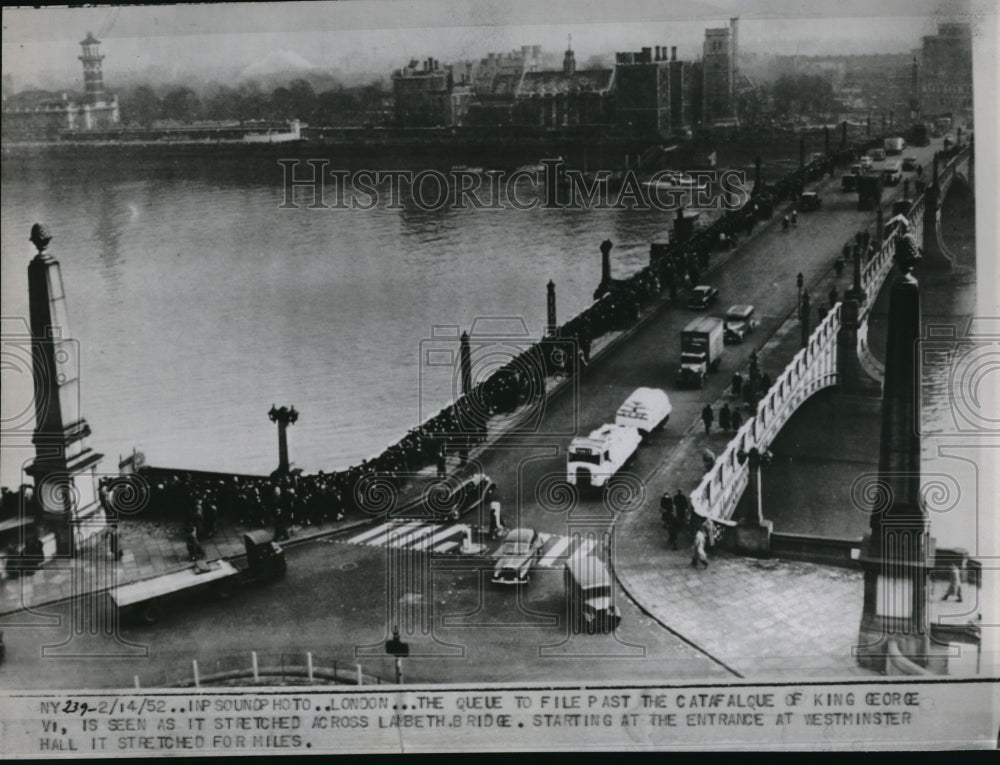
[896,550]
[569,60]
[65,468]
[93,77]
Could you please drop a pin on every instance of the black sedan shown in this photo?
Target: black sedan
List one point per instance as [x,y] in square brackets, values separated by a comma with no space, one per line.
[702,296]
[809,200]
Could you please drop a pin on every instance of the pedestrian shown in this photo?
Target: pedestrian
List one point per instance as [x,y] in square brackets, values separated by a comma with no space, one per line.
[682,507]
[194,548]
[113,548]
[954,584]
[833,295]
[698,554]
[725,419]
[442,464]
[737,384]
[496,520]
[707,459]
[707,417]
[736,420]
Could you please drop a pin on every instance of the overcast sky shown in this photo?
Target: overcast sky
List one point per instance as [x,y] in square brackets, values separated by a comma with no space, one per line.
[40,46]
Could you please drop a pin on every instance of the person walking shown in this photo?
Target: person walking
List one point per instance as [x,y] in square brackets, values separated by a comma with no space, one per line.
[707,417]
[833,295]
[681,507]
[194,548]
[737,384]
[698,554]
[954,584]
[736,420]
[725,418]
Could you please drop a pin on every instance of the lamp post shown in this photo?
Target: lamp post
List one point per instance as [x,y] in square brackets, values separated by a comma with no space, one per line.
[757,459]
[804,318]
[284,417]
[799,281]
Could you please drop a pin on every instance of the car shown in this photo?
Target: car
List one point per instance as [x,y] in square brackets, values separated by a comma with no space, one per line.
[849,182]
[520,550]
[909,164]
[444,500]
[702,296]
[809,200]
[739,323]
[877,155]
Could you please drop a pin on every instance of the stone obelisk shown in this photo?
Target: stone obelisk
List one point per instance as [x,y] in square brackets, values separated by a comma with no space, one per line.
[897,549]
[65,468]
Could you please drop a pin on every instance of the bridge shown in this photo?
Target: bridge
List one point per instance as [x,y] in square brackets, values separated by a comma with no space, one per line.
[837,351]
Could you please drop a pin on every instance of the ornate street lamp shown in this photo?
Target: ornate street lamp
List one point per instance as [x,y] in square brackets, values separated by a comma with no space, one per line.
[284,417]
[756,459]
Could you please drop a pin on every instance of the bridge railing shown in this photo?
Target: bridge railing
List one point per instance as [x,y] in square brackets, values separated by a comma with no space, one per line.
[813,367]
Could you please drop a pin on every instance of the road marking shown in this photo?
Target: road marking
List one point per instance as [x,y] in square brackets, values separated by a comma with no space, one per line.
[406,537]
[360,538]
[554,552]
[448,531]
[389,529]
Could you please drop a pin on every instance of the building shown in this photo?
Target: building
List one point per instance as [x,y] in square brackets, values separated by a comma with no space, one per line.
[564,97]
[44,116]
[512,64]
[642,90]
[423,94]
[719,74]
[945,71]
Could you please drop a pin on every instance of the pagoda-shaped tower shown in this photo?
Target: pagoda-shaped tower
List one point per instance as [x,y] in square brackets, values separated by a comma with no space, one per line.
[93,76]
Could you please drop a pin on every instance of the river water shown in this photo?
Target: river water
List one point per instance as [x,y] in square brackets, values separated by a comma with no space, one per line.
[198,303]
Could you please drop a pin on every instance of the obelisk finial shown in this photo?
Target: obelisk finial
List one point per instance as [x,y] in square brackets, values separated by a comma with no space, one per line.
[40,237]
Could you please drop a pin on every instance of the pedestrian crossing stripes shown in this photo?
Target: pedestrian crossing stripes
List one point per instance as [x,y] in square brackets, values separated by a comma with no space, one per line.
[438,538]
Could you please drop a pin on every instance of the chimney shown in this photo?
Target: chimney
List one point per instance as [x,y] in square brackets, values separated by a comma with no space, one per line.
[657,53]
[647,55]
[673,53]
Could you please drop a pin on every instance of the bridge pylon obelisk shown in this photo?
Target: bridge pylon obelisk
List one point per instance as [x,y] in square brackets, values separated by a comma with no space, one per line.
[896,552]
[65,468]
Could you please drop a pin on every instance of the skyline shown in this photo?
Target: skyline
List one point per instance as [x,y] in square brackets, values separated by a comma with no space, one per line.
[362,41]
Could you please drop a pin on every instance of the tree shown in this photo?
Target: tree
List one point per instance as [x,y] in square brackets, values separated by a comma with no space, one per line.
[142,106]
[181,104]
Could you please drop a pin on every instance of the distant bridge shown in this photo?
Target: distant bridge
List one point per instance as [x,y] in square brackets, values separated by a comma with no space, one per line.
[837,352]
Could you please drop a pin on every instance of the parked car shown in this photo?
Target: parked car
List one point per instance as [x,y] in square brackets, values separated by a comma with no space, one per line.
[739,323]
[877,155]
[909,164]
[703,296]
[809,200]
[520,550]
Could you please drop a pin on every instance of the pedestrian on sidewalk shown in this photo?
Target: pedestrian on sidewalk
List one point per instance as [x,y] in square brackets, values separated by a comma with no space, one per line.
[682,507]
[838,264]
[113,547]
[737,384]
[736,419]
[708,459]
[725,418]
[194,548]
[954,584]
[707,417]
[698,554]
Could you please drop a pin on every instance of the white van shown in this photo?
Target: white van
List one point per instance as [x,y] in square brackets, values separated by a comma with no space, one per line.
[646,410]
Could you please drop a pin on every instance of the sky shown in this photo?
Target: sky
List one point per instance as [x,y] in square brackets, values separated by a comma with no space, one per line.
[372,37]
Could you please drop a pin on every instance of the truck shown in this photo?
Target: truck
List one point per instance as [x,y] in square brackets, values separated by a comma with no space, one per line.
[591,596]
[894,145]
[147,601]
[645,410]
[702,342]
[869,191]
[594,459]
